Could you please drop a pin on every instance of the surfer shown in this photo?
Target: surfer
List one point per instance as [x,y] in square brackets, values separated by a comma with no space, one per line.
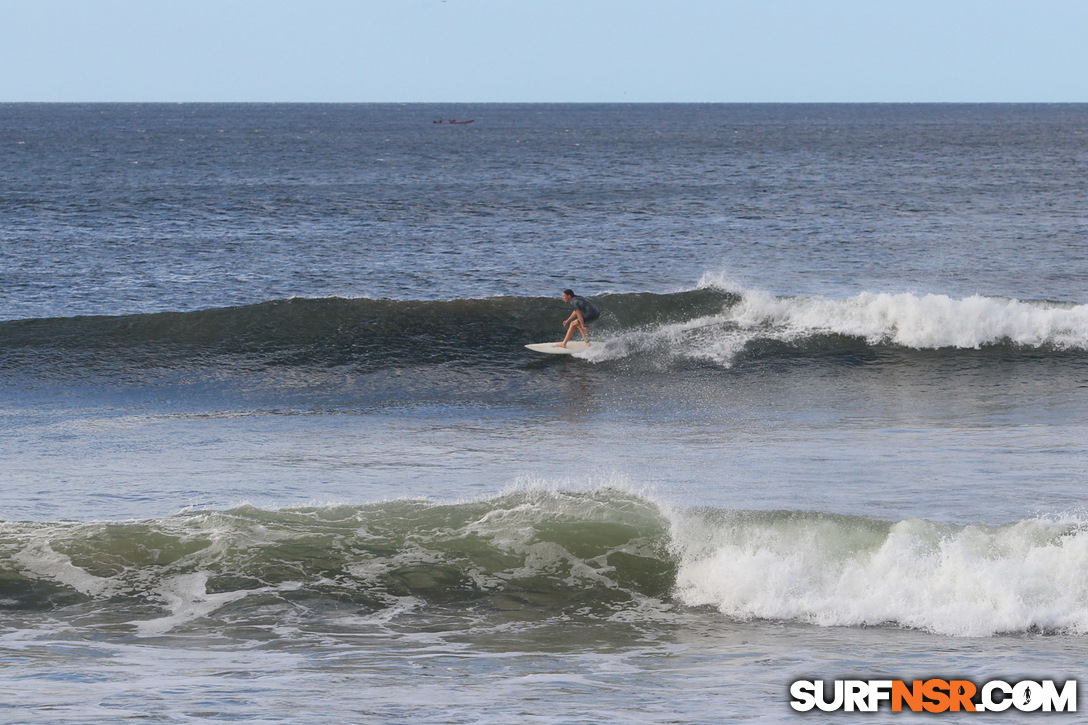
[584,313]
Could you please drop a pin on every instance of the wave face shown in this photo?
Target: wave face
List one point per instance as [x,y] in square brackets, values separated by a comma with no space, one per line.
[362,333]
[533,552]
[707,325]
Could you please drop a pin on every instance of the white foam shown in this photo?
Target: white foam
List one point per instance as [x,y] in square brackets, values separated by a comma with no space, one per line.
[186,598]
[961,581]
[40,560]
[927,322]
[912,321]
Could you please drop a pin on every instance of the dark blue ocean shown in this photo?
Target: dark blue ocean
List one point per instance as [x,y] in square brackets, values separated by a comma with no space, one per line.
[272,448]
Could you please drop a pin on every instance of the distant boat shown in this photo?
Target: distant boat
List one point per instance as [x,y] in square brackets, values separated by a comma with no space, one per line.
[455,122]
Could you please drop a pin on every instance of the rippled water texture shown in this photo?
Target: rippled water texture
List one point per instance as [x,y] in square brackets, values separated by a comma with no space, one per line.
[272,448]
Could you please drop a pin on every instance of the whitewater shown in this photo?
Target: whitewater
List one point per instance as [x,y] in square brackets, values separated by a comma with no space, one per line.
[604,551]
[904,320]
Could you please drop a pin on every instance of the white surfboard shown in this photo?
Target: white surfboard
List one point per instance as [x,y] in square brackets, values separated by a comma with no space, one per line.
[552,348]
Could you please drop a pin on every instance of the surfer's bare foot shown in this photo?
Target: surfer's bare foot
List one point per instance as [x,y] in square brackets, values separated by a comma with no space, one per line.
[560,344]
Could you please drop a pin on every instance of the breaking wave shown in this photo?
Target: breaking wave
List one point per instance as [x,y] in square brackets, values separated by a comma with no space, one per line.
[760,325]
[536,552]
[709,325]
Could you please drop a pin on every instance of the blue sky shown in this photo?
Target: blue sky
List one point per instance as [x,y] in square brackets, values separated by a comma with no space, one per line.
[536,51]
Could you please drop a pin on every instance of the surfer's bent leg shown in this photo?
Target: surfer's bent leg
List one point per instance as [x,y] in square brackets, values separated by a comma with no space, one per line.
[566,338]
[575,323]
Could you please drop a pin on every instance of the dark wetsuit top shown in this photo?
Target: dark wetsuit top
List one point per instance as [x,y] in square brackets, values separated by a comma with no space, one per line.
[588,309]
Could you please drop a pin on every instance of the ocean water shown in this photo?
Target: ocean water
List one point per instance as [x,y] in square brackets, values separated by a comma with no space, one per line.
[272,450]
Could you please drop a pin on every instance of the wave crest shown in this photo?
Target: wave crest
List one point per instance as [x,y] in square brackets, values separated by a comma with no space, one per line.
[927,322]
[972,581]
[537,552]
[762,324]
[534,549]
[705,325]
